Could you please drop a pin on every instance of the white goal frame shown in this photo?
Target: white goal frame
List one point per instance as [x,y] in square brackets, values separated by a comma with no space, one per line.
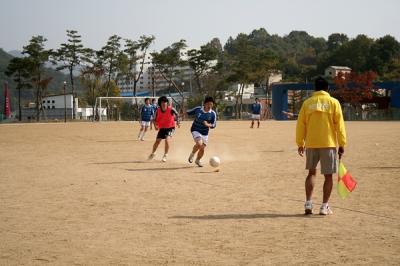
[134,99]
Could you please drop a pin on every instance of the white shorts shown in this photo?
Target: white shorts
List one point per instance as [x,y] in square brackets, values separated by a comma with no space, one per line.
[255,117]
[197,135]
[145,123]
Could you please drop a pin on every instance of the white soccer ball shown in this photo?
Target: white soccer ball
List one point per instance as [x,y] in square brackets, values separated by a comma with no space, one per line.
[215,161]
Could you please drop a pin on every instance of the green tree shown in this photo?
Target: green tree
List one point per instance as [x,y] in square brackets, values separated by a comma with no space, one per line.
[69,56]
[110,56]
[20,69]
[38,56]
[168,61]
[336,40]
[201,61]
[136,52]
[385,53]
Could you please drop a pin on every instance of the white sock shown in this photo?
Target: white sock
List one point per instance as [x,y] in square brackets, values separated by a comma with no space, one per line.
[308,201]
[324,205]
[144,132]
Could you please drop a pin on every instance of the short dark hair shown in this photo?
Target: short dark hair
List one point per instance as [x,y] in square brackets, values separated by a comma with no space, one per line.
[163,99]
[146,99]
[209,99]
[321,84]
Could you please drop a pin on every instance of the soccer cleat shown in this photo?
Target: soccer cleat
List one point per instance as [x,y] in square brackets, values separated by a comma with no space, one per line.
[325,210]
[151,156]
[308,207]
[164,158]
[191,156]
[199,164]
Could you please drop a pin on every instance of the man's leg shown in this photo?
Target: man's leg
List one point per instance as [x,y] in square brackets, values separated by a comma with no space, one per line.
[258,123]
[144,132]
[252,123]
[309,184]
[155,146]
[328,185]
[195,148]
[140,132]
[200,153]
[167,144]
[166,148]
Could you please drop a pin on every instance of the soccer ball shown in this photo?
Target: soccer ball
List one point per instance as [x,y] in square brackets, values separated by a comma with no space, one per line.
[215,161]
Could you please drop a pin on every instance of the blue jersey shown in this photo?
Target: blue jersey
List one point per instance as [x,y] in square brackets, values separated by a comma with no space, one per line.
[147,112]
[154,105]
[256,108]
[201,116]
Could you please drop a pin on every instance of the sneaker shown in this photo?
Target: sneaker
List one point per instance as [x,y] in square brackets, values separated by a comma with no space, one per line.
[308,207]
[151,156]
[142,139]
[325,210]
[199,164]
[164,158]
[191,156]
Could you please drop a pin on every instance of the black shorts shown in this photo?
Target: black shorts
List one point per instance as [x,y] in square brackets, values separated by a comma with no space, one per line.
[163,133]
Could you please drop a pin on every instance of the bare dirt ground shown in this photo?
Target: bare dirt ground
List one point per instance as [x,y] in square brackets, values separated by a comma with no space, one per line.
[84,194]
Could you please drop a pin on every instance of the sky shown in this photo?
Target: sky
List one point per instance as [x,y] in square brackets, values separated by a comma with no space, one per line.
[196,21]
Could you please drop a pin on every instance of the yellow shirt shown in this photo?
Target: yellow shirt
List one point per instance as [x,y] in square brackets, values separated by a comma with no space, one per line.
[320,123]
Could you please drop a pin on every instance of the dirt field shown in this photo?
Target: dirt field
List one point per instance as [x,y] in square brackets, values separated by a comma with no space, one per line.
[84,194]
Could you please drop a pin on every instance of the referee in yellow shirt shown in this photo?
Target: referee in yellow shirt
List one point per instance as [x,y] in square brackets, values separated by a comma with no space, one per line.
[320,129]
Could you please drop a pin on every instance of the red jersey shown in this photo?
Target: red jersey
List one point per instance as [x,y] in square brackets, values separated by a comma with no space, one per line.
[165,119]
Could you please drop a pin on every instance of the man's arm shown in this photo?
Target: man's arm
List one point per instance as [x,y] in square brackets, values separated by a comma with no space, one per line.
[192,111]
[340,129]
[301,130]
[177,117]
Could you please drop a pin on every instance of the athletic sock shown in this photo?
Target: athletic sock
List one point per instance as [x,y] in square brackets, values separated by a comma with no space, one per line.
[324,205]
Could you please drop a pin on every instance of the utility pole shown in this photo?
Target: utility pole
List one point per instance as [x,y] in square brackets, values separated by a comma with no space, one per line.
[65,103]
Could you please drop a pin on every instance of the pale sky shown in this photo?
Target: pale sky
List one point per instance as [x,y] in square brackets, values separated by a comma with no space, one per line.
[195,21]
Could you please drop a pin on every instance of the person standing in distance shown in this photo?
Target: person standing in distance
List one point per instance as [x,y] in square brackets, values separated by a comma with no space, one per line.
[320,129]
[256,113]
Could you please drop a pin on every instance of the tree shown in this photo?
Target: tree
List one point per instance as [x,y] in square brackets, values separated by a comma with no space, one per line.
[136,53]
[246,64]
[201,61]
[354,88]
[168,62]
[384,53]
[70,56]
[110,55]
[20,69]
[38,56]
[336,40]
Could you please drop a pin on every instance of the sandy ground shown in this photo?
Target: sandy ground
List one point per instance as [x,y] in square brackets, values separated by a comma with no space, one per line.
[84,194]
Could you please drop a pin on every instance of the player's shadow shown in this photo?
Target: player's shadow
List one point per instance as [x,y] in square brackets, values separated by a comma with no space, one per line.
[112,141]
[138,162]
[381,167]
[159,169]
[244,216]
[272,151]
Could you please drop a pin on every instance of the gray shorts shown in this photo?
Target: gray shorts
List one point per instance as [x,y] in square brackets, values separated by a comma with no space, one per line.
[327,156]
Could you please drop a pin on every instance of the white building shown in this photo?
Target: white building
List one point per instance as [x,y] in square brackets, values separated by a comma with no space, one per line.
[333,71]
[53,107]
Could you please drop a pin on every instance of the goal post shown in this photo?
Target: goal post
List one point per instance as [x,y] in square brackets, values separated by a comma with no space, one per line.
[121,108]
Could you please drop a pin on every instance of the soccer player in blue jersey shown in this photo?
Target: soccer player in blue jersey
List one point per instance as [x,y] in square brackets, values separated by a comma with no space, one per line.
[146,113]
[205,119]
[155,106]
[256,113]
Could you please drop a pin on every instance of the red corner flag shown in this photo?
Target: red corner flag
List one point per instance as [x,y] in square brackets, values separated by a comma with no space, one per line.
[7,105]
